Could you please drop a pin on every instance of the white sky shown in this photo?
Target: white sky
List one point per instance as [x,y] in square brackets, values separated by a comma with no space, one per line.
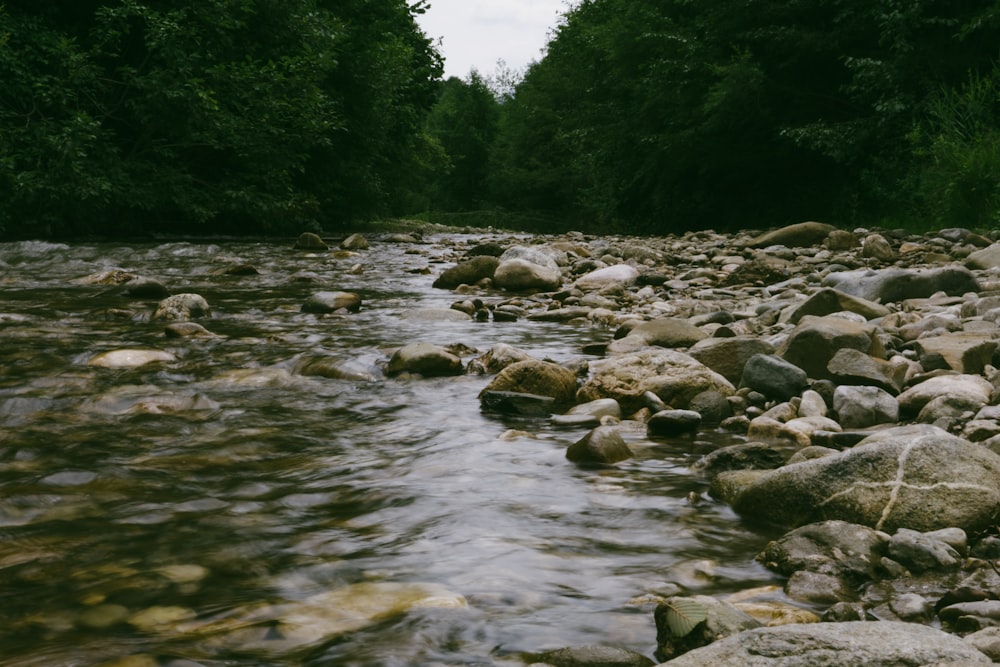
[477,33]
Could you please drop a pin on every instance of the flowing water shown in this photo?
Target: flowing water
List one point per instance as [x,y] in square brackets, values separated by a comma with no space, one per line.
[222,488]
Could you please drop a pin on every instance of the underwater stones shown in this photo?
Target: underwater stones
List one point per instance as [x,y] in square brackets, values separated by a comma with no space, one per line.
[330,302]
[424,359]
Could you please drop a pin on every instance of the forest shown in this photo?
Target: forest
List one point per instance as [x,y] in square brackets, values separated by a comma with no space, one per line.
[123,118]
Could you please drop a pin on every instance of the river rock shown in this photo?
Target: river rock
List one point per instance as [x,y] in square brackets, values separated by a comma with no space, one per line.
[668,423]
[799,235]
[742,456]
[774,377]
[971,390]
[355,241]
[590,656]
[895,285]
[310,241]
[849,366]
[130,358]
[723,619]
[728,356]
[829,301]
[424,359]
[618,275]
[603,445]
[497,358]
[548,257]
[517,403]
[864,407]
[838,548]
[661,332]
[520,275]
[917,477]
[814,342]
[882,644]
[187,330]
[876,246]
[542,378]
[673,376]
[986,258]
[965,352]
[335,368]
[182,307]
[145,288]
[329,302]
[919,551]
[469,272]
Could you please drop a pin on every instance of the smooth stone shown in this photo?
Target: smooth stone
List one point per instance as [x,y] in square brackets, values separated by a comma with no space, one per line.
[774,377]
[425,359]
[728,356]
[329,302]
[815,341]
[895,285]
[521,275]
[828,301]
[922,551]
[964,352]
[336,368]
[590,656]
[863,407]
[619,274]
[469,272]
[542,378]
[355,241]
[130,358]
[603,445]
[971,389]
[667,423]
[310,241]
[435,315]
[835,548]
[798,235]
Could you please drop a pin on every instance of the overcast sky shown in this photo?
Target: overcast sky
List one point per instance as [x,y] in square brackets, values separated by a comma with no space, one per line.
[477,33]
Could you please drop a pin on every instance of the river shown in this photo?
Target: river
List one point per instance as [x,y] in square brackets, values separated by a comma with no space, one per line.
[222,482]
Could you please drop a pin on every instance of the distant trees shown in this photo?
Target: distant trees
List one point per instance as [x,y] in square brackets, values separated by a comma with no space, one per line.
[669,114]
[122,116]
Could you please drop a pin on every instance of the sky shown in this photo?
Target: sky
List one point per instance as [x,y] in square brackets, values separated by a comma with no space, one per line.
[477,33]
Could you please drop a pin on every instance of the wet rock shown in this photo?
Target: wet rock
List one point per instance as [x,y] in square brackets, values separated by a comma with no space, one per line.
[662,332]
[829,301]
[774,377]
[669,423]
[591,656]
[547,257]
[743,456]
[497,358]
[712,406]
[908,477]
[130,358]
[354,242]
[310,241]
[468,272]
[863,407]
[517,403]
[330,302]
[922,551]
[618,275]
[560,314]
[602,407]
[603,445]
[336,368]
[885,644]
[435,315]
[971,390]
[542,378]
[424,359]
[815,341]
[723,619]
[895,285]
[836,548]
[671,375]
[145,288]
[728,356]
[799,235]
[182,307]
[520,275]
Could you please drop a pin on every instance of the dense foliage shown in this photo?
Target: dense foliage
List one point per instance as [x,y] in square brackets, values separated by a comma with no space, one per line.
[188,116]
[274,116]
[665,115]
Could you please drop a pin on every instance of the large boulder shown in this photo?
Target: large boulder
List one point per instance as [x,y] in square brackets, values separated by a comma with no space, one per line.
[814,342]
[917,477]
[673,376]
[521,275]
[894,285]
[973,390]
[799,235]
[882,644]
[774,377]
[468,272]
[541,378]
[728,356]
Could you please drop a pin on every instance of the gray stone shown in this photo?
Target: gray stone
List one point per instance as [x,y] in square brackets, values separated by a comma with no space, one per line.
[548,257]
[895,285]
[713,407]
[917,477]
[971,616]
[863,407]
[603,445]
[354,242]
[520,275]
[517,403]
[667,423]
[591,656]
[774,377]
[336,368]
[794,236]
[828,301]
[661,332]
[610,276]
[468,272]
[818,589]
[883,644]
[329,302]
[971,389]
[743,456]
[728,356]
[424,359]
[987,258]
[815,341]
[921,551]
[875,246]
[498,358]
[964,352]
[850,366]
[182,307]
[673,376]
[835,548]
[542,378]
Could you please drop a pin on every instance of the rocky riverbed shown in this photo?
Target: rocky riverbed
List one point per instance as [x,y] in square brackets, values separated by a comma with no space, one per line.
[840,389]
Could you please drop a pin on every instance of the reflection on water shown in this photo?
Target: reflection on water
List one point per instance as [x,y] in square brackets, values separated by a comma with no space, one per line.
[222,509]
